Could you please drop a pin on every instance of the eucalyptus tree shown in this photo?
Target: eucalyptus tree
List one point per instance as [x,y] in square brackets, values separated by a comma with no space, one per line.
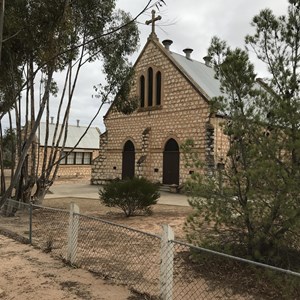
[45,37]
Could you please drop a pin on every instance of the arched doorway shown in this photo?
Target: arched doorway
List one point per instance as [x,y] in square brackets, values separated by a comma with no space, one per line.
[171,163]
[128,160]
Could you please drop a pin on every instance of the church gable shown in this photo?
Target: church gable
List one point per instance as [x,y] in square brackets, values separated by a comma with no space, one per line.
[165,96]
[161,84]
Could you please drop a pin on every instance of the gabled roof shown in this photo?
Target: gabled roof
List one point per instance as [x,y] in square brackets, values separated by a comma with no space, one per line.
[200,73]
[89,141]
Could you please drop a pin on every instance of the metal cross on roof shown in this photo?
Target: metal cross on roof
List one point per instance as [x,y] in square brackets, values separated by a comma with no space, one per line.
[153,20]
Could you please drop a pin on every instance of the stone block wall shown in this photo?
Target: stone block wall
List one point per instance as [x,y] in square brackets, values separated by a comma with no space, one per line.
[183,114]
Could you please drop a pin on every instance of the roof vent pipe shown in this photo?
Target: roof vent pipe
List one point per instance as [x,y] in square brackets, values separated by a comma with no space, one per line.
[52,120]
[78,123]
[207,59]
[188,52]
[167,44]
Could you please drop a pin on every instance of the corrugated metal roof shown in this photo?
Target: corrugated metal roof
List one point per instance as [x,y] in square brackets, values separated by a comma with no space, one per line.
[201,74]
[89,141]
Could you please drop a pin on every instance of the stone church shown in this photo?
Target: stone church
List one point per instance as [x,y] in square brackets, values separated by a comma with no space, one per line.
[174,92]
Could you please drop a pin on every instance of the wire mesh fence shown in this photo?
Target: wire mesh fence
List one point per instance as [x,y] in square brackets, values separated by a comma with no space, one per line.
[16,222]
[50,229]
[204,274]
[157,267]
[119,253]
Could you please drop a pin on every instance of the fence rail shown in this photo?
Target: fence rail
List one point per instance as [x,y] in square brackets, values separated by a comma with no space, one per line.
[155,266]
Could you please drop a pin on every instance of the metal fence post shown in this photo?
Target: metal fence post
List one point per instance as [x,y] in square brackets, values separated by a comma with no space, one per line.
[166,267]
[73,233]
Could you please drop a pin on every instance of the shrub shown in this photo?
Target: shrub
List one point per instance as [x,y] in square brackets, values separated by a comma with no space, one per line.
[133,196]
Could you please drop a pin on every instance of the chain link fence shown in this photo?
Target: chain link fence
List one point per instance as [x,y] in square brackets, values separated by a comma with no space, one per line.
[200,273]
[155,267]
[121,254]
[17,222]
[50,230]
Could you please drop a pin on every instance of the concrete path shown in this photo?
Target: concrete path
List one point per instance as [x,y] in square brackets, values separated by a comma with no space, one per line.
[80,190]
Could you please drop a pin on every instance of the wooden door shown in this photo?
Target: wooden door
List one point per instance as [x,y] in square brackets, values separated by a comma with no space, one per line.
[128,160]
[171,163]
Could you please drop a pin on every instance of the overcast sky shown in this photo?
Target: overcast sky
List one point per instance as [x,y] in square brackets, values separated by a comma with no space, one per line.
[190,24]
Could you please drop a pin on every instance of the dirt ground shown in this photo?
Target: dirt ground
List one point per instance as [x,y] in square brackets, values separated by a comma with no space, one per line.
[28,273]
[175,216]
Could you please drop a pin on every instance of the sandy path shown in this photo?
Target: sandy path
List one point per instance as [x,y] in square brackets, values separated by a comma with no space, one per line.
[28,273]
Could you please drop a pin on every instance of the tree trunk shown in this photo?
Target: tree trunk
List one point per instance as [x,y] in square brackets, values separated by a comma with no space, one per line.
[42,187]
[2,5]
[3,188]
[29,140]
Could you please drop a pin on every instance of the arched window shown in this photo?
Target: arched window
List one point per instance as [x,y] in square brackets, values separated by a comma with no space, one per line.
[142,90]
[150,87]
[158,88]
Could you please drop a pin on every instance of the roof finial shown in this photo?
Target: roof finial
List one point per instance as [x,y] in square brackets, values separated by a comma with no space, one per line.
[153,20]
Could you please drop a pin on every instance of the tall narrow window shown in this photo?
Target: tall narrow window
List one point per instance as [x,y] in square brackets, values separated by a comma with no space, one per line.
[71,158]
[87,158]
[78,158]
[158,88]
[150,87]
[63,160]
[142,90]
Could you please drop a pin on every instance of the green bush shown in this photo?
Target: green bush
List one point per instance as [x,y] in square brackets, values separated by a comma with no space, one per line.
[133,196]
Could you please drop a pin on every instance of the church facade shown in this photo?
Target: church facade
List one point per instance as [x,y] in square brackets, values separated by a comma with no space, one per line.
[174,91]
